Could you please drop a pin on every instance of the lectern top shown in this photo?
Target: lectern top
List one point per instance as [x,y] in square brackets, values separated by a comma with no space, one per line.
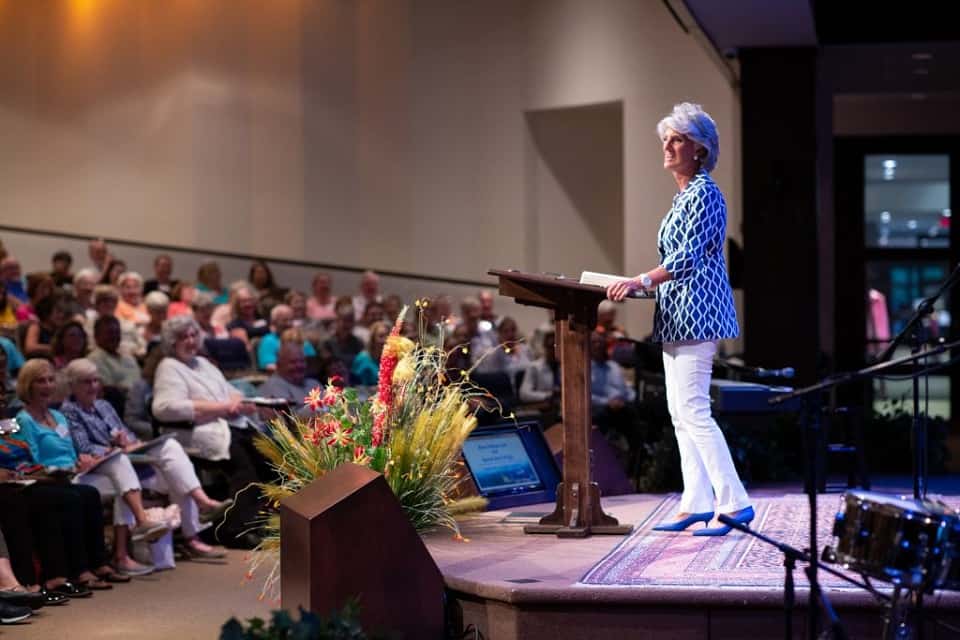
[556,280]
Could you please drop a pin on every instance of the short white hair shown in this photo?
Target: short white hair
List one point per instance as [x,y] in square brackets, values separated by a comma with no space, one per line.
[130,275]
[156,300]
[87,273]
[692,121]
[78,369]
[277,310]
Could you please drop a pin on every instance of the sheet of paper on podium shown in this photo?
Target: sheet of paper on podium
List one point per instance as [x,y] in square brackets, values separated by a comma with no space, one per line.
[606,279]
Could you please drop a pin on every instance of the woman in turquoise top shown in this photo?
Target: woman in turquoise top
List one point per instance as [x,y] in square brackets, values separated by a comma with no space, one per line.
[47,433]
[365,370]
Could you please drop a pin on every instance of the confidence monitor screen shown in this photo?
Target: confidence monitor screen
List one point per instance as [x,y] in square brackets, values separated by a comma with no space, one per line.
[500,464]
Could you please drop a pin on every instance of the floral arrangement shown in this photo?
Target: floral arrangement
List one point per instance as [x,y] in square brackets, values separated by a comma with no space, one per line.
[411,430]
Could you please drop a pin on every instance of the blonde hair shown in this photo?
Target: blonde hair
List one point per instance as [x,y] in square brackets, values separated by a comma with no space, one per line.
[29,372]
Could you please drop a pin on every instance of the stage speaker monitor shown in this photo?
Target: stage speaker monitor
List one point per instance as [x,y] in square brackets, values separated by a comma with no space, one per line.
[346,536]
[511,464]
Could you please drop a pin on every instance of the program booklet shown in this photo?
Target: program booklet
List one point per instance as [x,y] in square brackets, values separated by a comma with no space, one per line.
[149,444]
[605,280]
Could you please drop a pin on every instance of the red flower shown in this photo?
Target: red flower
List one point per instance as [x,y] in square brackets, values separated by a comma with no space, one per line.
[340,437]
[360,456]
[314,400]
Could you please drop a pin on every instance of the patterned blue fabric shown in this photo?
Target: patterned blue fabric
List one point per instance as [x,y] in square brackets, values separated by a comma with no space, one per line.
[92,429]
[697,304]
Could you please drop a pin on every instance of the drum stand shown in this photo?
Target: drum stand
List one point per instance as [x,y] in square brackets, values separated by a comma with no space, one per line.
[898,622]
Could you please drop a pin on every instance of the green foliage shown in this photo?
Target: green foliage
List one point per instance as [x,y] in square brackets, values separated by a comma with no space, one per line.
[339,625]
[889,432]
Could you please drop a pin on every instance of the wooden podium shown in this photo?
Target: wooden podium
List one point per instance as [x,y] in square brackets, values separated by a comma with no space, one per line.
[578,513]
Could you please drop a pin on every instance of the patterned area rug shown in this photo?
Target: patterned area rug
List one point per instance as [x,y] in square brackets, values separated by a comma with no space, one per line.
[649,557]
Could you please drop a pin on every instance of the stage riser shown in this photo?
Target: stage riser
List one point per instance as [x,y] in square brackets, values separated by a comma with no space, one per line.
[498,620]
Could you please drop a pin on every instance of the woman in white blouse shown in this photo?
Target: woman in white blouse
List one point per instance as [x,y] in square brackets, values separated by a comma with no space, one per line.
[190,388]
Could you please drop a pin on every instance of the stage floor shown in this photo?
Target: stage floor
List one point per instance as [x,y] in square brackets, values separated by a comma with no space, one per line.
[508,584]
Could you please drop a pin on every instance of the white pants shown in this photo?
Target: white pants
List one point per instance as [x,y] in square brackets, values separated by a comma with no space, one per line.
[175,477]
[709,477]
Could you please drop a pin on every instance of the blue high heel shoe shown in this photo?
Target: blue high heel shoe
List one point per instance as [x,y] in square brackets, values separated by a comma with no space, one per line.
[680,525]
[746,516]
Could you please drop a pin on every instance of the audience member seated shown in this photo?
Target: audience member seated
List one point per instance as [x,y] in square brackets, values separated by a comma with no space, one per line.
[511,356]
[223,314]
[209,280]
[202,307]
[37,341]
[392,305]
[105,300]
[97,430]
[366,366]
[189,388]
[39,286]
[130,307]
[281,319]
[289,380]
[343,345]
[14,359]
[541,382]
[489,320]
[297,301]
[84,283]
[320,305]
[137,414]
[264,286]
[115,268]
[16,601]
[118,371]
[99,256]
[481,342]
[59,523]
[369,292]
[457,347]
[372,313]
[9,403]
[61,263]
[607,323]
[12,277]
[162,279]
[69,344]
[181,299]
[157,304]
[611,400]
[8,311]
[328,366]
[247,323]
[47,434]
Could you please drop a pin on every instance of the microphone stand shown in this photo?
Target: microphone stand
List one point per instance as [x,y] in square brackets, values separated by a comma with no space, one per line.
[790,557]
[917,333]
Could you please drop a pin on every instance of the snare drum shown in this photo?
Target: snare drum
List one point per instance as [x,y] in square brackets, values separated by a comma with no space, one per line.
[905,541]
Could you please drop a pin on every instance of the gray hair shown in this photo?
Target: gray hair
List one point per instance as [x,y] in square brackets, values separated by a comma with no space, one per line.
[202,300]
[692,121]
[79,368]
[156,300]
[174,328]
[87,273]
[277,310]
[130,275]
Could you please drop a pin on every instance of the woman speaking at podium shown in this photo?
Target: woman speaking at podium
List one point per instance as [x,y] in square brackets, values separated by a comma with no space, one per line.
[694,310]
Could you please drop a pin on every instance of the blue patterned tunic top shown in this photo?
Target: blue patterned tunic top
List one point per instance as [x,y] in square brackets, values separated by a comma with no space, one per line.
[697,304]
